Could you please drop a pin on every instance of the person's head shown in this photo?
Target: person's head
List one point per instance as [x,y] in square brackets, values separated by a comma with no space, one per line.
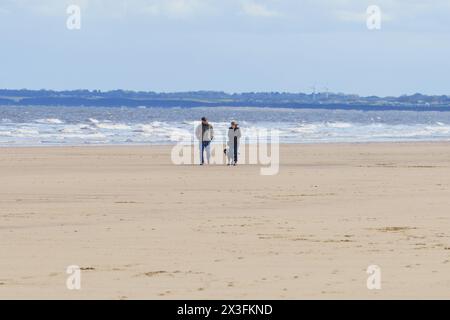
[204,120]
[234,124]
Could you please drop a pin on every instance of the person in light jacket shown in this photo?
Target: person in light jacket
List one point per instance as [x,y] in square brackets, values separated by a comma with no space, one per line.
[205,135]
[234,136]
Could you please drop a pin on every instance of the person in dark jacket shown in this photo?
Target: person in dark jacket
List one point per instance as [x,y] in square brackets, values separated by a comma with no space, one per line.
[234,137]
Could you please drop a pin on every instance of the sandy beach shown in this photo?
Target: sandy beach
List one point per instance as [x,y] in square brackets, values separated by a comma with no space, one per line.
[142,228]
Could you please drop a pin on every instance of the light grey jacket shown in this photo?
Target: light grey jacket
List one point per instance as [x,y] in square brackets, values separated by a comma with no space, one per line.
[234,133]
[206,136]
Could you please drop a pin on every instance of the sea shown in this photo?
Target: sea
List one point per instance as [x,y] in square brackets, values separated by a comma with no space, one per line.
[72,126]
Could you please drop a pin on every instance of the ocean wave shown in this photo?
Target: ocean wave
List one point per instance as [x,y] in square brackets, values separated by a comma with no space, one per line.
[94,121]
[112,126]
[305,128]
[6,133]
[338,125]
[49,121]
[26,132]
[169,125]
[80,128]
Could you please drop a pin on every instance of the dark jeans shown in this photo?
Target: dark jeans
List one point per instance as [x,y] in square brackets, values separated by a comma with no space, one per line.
[235,150]
[204,146]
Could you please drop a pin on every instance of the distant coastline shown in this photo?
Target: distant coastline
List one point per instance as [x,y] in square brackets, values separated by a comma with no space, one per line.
[122,98]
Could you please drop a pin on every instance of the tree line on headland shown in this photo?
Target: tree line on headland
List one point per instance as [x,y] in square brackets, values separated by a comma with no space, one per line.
[315,100]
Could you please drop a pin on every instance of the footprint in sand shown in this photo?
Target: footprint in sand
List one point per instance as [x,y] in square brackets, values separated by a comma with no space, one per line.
[164,293]
[153,273]
[87,269]
[395,229]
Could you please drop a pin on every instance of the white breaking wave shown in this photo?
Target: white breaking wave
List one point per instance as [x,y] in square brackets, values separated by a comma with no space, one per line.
[103,132]
[5,133]
[112,126]
[49,121]
[72,126]
[26,132]
[339,125]
[94,121]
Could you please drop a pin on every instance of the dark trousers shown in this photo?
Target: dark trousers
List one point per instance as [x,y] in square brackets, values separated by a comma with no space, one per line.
[205,144]
[235,150]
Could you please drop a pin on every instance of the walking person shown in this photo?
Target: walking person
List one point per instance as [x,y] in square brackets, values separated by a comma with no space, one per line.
[205,135]
[234,136]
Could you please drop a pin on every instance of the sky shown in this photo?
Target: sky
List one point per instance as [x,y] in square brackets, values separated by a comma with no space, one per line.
[227,45]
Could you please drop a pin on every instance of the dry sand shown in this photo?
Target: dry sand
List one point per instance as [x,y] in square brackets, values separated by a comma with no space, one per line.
[143,228]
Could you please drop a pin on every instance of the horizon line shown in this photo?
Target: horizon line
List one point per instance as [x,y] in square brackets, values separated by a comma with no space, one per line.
[229,92]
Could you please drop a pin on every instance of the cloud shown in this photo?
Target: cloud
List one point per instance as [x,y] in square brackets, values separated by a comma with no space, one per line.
[171,8]
[295,15]
[254,9]
[350,16]
[164,8]
[181,8]
[40,7]
[4,11]
[358,17]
